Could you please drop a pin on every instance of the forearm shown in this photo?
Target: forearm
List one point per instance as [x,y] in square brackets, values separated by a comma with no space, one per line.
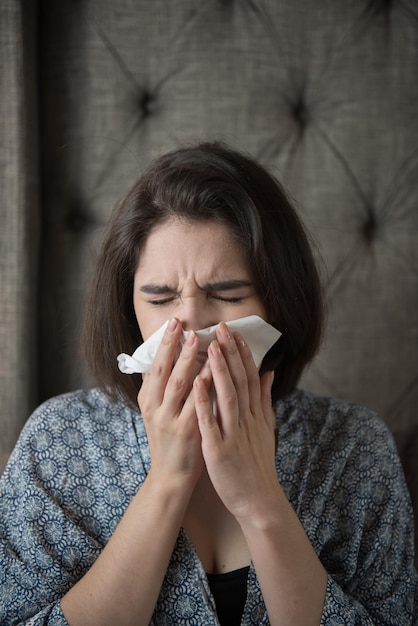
[292,579]
[123,585]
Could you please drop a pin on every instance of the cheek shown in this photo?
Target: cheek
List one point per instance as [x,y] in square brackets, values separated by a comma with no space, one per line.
[148,320]
[255,308]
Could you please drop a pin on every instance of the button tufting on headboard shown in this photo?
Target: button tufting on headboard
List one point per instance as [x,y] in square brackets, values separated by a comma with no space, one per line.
[147,103]
[300,112]
[77,220]
[370,227]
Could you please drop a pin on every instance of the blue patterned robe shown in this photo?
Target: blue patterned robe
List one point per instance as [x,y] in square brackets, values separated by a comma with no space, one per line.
[81,459]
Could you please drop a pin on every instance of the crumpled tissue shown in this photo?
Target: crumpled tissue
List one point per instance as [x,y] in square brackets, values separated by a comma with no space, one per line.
[259,335]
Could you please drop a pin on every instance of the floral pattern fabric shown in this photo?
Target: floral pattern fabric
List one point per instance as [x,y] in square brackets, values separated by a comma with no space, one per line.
[80,460]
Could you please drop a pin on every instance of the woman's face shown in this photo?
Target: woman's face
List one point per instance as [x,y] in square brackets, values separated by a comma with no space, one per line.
[196,272]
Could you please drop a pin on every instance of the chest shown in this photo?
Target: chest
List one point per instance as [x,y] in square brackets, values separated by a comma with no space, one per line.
[218,541]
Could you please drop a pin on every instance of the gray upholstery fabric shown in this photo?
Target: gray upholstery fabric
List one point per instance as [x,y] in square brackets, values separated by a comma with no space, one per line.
[19,218]
[324,93]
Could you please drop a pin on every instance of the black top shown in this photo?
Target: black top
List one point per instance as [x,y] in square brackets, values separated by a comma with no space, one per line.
[230,593]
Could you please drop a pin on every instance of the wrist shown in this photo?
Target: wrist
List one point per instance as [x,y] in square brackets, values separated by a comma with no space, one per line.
[170,489]
[268,513]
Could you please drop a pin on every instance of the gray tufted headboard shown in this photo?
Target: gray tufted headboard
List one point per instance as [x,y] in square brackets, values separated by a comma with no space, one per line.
[324,93]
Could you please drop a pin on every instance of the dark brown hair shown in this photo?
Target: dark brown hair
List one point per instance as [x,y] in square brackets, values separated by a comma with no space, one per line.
[207,182]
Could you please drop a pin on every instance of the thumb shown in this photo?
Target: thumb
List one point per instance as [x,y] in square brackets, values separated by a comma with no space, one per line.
[266,383]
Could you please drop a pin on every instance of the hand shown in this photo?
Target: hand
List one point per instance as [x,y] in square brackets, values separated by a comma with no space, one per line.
[167,406]
[238,444]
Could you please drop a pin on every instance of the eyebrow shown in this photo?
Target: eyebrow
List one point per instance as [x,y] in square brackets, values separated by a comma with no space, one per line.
[155,290]
[227,285]
[223,285]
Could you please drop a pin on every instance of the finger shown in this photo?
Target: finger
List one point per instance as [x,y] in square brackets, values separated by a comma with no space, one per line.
[143,391]
[208,424]
[252,373]
[226,392]
[187,410]
[266,383]
[163,361]
[231,352]
[235,364]
[180,380]
[206,376]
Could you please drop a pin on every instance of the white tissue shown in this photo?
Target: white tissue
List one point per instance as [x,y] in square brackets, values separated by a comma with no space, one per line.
[259,335]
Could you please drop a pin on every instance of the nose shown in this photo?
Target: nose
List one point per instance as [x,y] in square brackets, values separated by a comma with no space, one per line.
[195,313]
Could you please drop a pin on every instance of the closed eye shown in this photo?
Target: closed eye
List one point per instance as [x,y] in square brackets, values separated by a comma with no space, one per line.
[162,301]
[229,300]
[220,290]
[161,295]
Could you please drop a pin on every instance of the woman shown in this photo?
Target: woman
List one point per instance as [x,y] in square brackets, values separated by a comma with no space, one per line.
[283,508]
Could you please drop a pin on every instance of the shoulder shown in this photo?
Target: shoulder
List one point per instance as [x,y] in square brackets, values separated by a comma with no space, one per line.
[332,423]
[320,409]
[83,411]
[339,466]
[84,435]
[80,456]
[340,453]
[83,402]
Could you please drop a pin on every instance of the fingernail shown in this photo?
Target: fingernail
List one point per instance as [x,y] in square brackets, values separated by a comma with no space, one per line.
[214,348]
[191,338]
[224,330]
[240,340]
[199,385]
[172,325]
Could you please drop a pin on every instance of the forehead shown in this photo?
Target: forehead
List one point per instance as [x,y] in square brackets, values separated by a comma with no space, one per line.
[182,245]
